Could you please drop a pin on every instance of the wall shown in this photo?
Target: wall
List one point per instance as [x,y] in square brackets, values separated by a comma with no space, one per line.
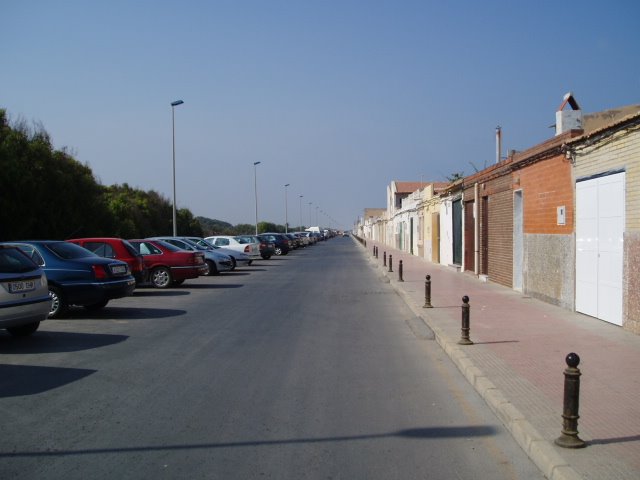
[549,255]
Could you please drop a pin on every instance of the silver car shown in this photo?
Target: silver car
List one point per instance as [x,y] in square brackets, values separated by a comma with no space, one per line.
[24,293]
[216,261]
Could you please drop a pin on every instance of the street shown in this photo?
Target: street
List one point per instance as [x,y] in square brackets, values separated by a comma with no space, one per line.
[302,366]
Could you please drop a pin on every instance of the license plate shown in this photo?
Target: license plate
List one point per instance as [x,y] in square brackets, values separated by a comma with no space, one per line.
[119,269]
[22,286]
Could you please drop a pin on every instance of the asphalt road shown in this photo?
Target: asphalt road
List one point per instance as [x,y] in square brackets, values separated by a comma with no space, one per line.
[306,366]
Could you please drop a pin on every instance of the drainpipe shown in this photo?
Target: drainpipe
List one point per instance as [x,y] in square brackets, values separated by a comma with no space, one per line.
[476,232]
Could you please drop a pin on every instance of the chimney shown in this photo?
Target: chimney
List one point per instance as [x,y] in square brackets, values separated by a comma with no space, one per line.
[568,119]
[498,144]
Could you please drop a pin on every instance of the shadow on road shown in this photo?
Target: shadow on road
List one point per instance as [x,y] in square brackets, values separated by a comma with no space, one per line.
[413,433]
[18,380]
[56,342]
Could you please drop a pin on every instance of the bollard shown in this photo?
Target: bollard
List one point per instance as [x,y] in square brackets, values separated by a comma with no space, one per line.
[390,263]
[400,279]
[464,337]
[569,436]
[427,292]
[384,259]
[374,250]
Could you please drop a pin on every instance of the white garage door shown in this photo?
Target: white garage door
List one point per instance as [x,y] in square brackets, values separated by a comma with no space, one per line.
[600,207]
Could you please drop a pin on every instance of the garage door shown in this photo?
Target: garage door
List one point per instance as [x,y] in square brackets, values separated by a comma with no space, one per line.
[600,207]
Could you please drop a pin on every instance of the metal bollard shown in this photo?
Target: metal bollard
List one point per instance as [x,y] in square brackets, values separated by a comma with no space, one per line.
[464,337]
[374,250]
[400,279]
[384,259]
[390,263]
[427,292]
[569,436]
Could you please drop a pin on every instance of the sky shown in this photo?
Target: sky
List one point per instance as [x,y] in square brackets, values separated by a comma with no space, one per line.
[337,98]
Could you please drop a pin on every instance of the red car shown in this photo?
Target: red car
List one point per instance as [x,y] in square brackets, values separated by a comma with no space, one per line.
[119,249]
[169,265]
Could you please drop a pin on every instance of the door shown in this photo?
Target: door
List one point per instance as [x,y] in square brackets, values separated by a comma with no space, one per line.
[469,237]
[518,240]
[484,236]
[600,205]
[457,232]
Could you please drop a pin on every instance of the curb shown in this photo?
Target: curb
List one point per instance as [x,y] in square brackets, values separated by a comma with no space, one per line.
[539,450]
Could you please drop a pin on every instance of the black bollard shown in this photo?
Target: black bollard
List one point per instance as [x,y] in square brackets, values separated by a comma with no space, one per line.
[400,279]
[390,263]
[384,259]
[569,436]
[427,292]
[374,250]
[464,337]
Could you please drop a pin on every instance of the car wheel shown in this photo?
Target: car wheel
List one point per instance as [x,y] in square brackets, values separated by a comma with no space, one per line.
[161,277]
[24,330]
[212,268]
[233,263]
[96,306]
[278,251]
[250,262]
[266,257]
[58,303]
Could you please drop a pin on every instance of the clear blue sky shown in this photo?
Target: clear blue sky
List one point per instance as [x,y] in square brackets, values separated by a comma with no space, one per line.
[336,98]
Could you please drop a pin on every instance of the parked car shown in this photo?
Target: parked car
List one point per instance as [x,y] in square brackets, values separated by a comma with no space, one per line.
[76,276]
[235,256]
[24,293]
[251,249]
[303,238]
[215,260]
[295,241]
[282,243]
[267,249]
[169,265]
[119,249]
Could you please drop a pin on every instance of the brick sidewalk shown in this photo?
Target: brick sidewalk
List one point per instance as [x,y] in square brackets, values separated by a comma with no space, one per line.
[517,363]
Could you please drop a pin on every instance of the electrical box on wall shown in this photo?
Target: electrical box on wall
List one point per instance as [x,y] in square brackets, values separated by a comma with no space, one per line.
[562,214]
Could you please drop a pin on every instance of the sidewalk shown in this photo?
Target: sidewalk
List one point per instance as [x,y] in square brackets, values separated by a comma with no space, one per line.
[517,362]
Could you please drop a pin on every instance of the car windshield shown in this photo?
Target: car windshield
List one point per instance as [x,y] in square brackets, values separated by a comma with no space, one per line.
[69,251]
[13,260]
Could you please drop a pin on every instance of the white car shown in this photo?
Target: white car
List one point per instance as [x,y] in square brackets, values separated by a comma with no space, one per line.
[238,244]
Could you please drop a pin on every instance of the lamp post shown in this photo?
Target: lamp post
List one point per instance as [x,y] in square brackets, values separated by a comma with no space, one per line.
[173,137]
[310,220]
[286,213]
[301,210]
[255,190]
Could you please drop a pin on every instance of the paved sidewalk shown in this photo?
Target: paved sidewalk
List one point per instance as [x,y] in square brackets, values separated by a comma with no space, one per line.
[517,361]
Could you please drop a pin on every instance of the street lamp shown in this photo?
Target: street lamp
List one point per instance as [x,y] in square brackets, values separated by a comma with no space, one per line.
[301,211]
[255,190]
[286,213]
[173,136]
[310,221]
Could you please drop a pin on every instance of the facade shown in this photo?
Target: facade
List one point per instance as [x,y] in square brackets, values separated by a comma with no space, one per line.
[429,244]
[559,221]
[606,165]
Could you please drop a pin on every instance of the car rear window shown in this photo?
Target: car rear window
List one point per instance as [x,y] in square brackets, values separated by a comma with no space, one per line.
[69,251]
[13,260]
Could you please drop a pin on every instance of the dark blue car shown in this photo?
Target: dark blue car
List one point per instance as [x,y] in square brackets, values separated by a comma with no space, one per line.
[77,276]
